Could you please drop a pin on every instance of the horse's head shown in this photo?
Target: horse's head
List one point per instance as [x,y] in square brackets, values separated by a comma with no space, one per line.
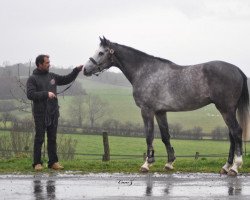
[102,59]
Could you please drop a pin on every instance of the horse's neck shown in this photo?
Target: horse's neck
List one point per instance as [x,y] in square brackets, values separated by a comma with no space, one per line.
[130,63]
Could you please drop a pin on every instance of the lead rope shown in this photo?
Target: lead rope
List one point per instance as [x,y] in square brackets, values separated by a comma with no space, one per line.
[66,87]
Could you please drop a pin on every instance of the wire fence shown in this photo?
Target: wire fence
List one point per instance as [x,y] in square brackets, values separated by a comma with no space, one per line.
[94,156]
[70,153]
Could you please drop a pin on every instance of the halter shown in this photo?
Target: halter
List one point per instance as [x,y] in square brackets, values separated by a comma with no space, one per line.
[98,65]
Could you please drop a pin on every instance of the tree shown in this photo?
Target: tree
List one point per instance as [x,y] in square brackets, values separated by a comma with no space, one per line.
[220,133]
[21,135]
[197,131]
[175,129]
[111,124]
[6,116]
[96,108]
[76,110]
[7,106]
[19,91]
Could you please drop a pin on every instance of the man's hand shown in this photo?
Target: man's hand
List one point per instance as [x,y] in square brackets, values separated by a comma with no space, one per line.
[51,95]
[80,67]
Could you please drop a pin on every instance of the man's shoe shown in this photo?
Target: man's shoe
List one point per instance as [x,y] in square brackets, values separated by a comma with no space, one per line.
[38,167]
[57,166]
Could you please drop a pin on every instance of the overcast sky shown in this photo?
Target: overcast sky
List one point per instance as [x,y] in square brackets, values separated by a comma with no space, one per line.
[183,31]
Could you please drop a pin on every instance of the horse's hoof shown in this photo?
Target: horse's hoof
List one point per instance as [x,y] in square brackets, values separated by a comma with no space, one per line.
[168,167]
[144,170]
[232,173]
[223,171]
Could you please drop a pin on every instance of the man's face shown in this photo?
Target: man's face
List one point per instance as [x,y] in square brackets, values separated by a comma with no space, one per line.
[46,64]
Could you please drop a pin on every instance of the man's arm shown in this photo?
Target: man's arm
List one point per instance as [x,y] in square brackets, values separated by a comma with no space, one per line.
[32,94]
[64,80]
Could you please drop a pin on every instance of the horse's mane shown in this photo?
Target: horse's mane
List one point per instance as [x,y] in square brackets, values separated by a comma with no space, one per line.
[145,54]
[107,43]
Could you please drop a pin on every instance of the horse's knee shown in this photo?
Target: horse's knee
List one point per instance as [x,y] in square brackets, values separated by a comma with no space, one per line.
[165,139]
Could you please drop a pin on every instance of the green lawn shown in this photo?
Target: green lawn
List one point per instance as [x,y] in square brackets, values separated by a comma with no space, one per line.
[92,144]
[211,165]
[134,148]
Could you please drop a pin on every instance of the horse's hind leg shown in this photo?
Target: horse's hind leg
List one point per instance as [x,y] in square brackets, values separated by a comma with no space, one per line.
[226,168]
[163,126]
[148,119]
[236,143]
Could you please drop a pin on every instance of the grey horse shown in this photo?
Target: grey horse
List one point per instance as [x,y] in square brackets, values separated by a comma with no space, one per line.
[160,86]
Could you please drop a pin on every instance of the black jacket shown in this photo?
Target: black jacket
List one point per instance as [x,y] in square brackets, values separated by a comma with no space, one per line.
[40,83]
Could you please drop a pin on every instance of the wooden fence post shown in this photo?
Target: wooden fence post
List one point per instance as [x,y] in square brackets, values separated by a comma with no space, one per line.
[196,155]
[106,155]
[245,145]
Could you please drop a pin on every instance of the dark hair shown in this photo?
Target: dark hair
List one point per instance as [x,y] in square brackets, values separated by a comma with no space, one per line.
[40,59]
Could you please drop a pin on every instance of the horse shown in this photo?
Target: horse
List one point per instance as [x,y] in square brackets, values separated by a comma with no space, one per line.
[161,86]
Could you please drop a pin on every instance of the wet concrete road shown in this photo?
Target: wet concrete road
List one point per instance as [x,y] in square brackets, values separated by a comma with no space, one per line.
[124,186]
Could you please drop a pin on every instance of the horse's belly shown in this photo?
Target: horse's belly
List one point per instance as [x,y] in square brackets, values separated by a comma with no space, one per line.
[181,102]
[192,105]
[172,104]
[169,97]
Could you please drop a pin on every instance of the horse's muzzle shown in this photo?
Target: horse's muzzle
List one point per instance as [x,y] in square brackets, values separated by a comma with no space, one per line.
[86,73]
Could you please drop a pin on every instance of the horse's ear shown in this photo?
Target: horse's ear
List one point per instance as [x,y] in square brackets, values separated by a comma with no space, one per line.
[106,42]
[101,40]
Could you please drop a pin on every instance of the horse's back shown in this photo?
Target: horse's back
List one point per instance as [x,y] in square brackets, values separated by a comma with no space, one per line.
[183,88]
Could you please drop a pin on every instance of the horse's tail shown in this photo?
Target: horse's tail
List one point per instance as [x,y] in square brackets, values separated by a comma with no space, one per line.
[243,110]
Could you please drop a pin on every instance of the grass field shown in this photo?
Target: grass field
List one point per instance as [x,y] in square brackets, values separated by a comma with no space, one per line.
[92,144]
[23,165]
[133,148]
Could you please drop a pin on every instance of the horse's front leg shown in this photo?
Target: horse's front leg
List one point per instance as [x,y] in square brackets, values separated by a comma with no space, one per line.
[163,126]
[148,119]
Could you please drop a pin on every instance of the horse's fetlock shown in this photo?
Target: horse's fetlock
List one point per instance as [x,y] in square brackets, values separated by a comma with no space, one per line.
[227,167]
[238,161]
[150,153]
[171,155]
[151,160]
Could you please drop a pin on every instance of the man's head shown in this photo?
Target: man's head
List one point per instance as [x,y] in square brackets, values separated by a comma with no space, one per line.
[43,62]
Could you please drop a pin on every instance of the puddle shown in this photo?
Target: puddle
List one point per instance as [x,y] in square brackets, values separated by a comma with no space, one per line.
[124,186]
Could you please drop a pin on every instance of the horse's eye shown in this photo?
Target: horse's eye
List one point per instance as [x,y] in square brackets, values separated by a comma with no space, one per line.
[101,53]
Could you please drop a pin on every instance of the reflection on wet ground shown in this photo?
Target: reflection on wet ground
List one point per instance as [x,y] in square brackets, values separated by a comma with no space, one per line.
[124,186]
[38,189]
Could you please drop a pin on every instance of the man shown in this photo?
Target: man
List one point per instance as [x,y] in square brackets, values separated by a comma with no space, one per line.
[42,90]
